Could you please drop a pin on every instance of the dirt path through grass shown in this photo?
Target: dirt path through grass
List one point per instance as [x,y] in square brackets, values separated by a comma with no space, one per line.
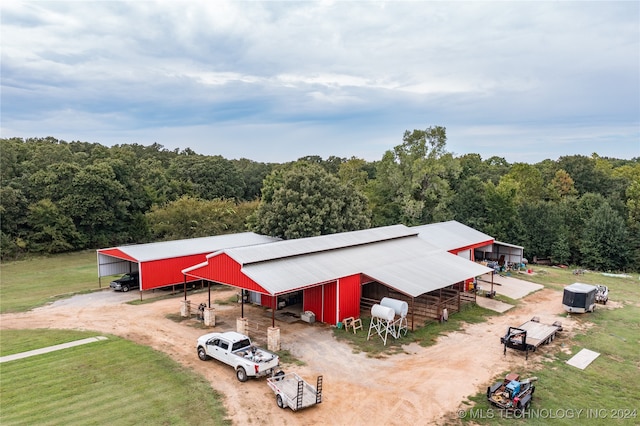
[422,385]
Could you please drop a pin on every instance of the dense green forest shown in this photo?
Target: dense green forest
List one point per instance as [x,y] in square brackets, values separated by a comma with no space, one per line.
[59,196]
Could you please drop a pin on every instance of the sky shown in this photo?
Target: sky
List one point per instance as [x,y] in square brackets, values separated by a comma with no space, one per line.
[276,81]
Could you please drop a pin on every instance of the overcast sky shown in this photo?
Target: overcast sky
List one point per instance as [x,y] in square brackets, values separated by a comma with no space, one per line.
[275,81]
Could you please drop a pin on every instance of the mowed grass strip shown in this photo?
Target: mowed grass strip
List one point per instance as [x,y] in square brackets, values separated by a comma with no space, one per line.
[108,382]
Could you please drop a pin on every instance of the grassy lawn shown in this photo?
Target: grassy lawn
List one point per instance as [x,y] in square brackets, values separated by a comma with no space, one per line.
[108,382]
[27,284]
[608,390]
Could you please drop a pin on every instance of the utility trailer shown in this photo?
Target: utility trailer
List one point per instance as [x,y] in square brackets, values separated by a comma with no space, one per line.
[579,298]
[512,393]
[530,335]
[292,391]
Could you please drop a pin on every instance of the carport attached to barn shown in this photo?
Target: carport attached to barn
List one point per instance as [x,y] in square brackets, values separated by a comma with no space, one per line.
[330,270]
[160,263]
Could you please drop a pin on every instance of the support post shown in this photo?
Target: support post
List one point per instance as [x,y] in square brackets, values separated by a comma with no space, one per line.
[413,311]
[185,286]
[185,309]
[273,339]
[492,273]
[210,317]
[274,302]
[242,326]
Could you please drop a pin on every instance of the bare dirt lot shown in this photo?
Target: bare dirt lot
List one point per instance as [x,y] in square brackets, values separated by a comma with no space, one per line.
[424,385]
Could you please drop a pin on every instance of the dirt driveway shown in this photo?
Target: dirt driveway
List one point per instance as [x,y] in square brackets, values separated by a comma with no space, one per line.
[424,385]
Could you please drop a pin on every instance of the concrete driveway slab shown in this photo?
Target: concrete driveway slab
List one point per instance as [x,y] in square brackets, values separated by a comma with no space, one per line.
[493,304]
[509,286]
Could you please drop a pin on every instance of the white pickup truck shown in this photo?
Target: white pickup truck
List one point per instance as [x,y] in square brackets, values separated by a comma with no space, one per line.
[236,350]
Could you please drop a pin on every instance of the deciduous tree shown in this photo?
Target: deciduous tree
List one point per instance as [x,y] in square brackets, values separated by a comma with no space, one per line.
[304,200]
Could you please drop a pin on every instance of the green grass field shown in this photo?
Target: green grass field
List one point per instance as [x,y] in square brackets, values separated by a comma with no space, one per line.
[608,390]
[27,284]
[108,382]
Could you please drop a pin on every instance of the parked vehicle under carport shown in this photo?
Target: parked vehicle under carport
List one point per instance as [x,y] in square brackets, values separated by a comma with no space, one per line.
[126,282]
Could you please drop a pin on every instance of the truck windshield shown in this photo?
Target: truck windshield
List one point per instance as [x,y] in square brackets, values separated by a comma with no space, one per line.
[241,344]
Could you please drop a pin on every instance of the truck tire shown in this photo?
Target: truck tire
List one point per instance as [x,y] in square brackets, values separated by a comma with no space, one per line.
[278,375]
[202,354]
[241,374]
[279,401]
[125,288]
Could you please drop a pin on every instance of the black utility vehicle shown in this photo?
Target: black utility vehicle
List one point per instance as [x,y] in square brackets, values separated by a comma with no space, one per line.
[127,282]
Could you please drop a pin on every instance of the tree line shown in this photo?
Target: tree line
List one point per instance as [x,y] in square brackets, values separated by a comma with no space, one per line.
[58,196]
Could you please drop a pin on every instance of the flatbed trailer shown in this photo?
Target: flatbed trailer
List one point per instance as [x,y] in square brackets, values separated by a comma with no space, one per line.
[292,391]
[530,335]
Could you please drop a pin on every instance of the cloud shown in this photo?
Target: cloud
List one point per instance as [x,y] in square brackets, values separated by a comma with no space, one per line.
[312,77]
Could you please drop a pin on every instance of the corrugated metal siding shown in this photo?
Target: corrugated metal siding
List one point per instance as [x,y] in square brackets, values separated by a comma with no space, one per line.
[330,302]
[312,301]
[161,273]
[322,301]
[222,269]
[267,301]
[117,253]
[349,292]
[108,265]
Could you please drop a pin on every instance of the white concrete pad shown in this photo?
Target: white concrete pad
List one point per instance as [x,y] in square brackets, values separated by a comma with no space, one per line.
[508,286]
[493,304]
[583,358]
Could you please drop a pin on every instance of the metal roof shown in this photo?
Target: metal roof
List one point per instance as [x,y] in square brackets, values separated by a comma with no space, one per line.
[581,288]
[188,247]
[408,264]
[323,243]
[451,235]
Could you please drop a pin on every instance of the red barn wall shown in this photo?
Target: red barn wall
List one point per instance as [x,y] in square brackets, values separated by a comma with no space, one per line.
[164,272]
[312,301]
[330,303]
[224,270]
[349,293]
[321,300]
